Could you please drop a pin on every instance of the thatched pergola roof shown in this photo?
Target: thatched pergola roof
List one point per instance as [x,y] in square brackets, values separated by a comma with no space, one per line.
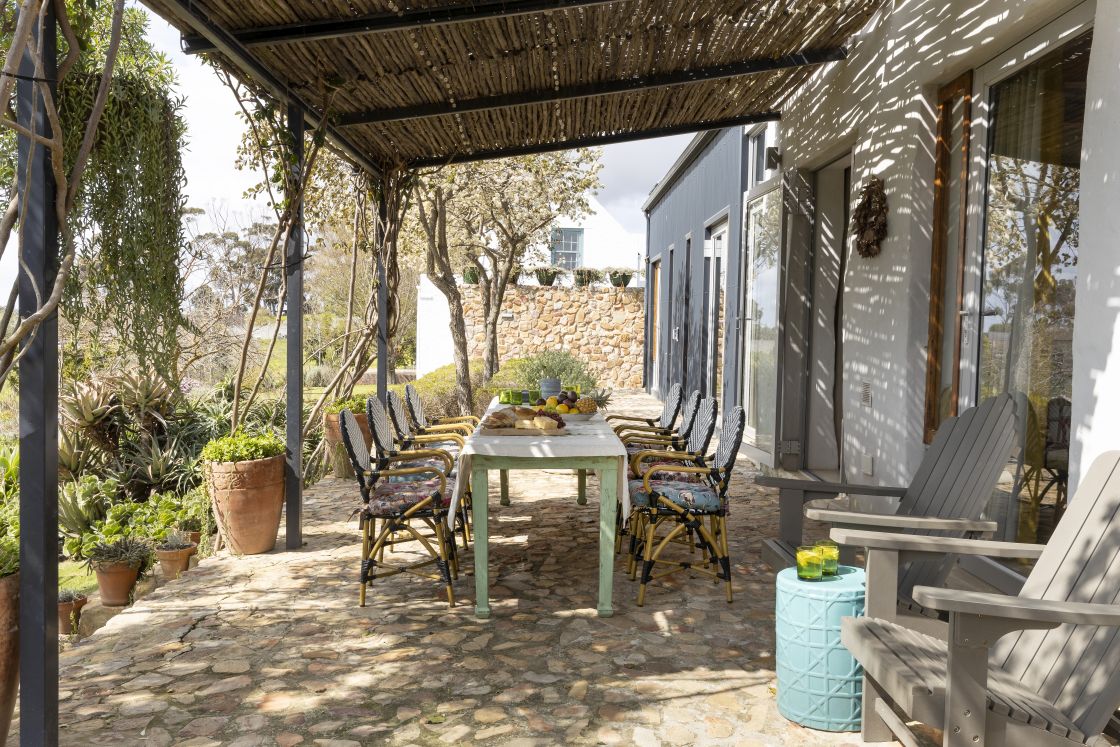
[431,81]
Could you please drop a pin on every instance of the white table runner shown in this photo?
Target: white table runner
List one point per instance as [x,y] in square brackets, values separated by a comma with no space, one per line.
[588,438]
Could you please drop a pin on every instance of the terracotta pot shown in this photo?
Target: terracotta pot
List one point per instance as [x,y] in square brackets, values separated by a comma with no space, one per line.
[196,537]
[9,651]
[332,434]
[69,613]
[248,497]
[174,562]
[115,582]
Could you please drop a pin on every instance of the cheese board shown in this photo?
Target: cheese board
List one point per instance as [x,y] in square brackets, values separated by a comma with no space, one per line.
[522,432]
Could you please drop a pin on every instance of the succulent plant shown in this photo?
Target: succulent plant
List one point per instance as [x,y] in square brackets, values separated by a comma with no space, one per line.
[94,409]
[69,595]
[175,540]
[128,550]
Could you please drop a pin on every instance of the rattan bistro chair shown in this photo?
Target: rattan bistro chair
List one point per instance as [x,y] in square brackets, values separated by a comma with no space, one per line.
[662,424]
[681,489]
[464,424]
[397,497]
[638,441]
[408,439]
[385,445]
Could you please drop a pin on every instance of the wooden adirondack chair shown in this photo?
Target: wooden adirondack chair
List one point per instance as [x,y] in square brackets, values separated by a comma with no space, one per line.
[948,493]
[1040,669]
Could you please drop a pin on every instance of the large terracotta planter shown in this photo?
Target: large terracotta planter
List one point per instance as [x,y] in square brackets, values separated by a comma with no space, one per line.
[69,613]
[332,434]
[9,651]
[115,582]
[248,497]
[174,562]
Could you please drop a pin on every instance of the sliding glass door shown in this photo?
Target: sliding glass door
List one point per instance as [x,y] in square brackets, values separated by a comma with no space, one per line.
[762,230]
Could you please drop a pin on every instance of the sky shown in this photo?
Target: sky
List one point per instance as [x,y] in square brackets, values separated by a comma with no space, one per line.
[214,184]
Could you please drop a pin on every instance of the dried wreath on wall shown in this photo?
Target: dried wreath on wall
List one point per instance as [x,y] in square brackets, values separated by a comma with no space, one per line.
[869,221]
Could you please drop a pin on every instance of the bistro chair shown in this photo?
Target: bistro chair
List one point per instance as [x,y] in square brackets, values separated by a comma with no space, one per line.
[386,445]
[464,424]
[664,423]
[681,490]
[408,439]
[638,441]
[397,503]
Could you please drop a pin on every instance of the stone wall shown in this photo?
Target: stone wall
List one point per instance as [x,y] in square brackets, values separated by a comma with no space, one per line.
[602,326]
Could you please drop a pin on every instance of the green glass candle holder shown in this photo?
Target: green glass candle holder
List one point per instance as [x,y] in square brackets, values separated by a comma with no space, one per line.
[830,557]
[809,563]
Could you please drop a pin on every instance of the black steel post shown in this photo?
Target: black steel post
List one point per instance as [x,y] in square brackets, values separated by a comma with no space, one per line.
[38,410]
[293,271]
[382,299]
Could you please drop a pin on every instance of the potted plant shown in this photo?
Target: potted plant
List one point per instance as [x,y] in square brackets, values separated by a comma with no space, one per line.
[552,368]
[174,554]
[194,515]
[471,275]
[332,433]
[119,564]
[547,275]
[585,276]
[70,605]
[245,476]
[620,277]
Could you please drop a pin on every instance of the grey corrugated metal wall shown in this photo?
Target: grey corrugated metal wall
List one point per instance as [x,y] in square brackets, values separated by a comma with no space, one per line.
[704,192]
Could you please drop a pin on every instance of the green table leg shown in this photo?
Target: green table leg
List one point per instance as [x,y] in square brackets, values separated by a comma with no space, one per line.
[608,498]
[480,501]
[581,495]
[503,479]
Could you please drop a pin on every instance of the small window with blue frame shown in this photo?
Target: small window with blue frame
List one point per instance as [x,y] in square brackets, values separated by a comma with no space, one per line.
[567,248]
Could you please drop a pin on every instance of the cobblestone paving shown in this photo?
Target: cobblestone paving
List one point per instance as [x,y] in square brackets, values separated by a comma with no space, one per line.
[273,649]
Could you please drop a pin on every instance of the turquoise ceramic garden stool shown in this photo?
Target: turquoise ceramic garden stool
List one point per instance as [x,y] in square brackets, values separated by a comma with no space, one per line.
[820,685]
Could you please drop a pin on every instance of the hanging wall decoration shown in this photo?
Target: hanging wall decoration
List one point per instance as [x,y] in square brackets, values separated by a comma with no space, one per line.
[869,221]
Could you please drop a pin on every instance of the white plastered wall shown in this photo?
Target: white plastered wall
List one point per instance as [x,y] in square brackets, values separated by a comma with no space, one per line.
[878,104]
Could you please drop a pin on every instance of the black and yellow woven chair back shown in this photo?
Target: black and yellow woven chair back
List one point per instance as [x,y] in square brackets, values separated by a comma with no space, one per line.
[395,501]
[686,493]
[694,428]
[464,424]
[408,439]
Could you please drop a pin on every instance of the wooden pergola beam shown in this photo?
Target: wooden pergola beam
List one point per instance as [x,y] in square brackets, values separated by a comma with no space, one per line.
[378,23]
[588,90]
[596,140]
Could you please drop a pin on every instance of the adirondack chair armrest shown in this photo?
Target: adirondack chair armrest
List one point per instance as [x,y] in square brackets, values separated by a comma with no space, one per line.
[854,519]
[1050,612]
[820,486]
[922,544]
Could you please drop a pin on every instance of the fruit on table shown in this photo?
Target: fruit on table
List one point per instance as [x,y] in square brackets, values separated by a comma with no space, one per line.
[552,401]
[540,402]
[586,405]
[563,409]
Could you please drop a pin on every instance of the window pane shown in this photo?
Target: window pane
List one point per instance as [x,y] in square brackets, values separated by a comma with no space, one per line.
[760,385]
[567,247]
[1030,270]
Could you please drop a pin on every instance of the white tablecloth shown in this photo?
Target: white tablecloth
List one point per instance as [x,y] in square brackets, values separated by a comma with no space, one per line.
[588,438]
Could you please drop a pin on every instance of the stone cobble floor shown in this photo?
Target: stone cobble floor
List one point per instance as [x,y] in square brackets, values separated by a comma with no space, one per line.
[273,650]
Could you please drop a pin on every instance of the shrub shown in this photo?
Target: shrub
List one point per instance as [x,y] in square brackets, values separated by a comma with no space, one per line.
[320,375]
[555,364]
[241,447]
[355,404]
[587,275]
[438,391]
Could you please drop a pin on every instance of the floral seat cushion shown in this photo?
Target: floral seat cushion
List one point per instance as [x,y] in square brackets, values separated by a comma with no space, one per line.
[397,497]
[429,462]
[669,474]
[700,497]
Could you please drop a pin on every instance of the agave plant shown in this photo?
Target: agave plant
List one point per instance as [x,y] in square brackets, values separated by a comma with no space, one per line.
[77,456]
[151,467]
[83,503]
[94,409]
[149,401]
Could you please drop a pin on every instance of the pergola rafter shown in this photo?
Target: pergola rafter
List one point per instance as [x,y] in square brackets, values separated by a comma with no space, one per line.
[380,23]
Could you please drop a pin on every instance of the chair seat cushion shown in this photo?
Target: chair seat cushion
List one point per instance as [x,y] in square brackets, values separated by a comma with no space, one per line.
[397,497]
[696,496]
[429,462]
[912,668]
[669,474]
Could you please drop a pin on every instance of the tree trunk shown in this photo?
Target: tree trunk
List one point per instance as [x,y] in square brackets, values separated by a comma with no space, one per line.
[459,351]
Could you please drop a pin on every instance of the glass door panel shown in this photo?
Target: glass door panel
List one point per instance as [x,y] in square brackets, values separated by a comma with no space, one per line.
[762,229]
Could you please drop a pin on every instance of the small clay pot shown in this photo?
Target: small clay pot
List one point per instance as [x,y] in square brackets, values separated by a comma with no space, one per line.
[115,582]
[9,650]
[196,537]
[69,615]
[174,562]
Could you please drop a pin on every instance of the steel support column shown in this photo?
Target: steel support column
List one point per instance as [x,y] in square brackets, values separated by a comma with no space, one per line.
[293,271]
[38,412]
[382,298]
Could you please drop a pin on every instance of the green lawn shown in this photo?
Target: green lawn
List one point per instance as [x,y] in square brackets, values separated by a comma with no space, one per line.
[73,575]
[359,391]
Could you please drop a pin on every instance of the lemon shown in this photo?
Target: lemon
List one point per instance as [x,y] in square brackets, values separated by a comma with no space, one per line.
[562,409]
[552,401]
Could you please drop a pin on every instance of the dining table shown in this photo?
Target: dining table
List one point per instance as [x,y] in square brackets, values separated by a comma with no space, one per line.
[584,446]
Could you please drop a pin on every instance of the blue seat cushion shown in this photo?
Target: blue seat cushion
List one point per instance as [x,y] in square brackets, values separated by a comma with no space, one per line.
[390,498]
[697,496]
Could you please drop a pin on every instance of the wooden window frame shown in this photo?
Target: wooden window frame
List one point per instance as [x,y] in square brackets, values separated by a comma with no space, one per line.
[961,88]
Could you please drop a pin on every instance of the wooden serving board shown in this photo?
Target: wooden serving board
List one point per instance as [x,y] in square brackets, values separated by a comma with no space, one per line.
[521,432]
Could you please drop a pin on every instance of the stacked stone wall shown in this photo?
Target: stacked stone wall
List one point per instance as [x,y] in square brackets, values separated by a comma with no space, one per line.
[602,326]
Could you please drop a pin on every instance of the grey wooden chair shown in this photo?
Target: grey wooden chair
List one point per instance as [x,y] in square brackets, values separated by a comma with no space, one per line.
[1039,669]
[946,497]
